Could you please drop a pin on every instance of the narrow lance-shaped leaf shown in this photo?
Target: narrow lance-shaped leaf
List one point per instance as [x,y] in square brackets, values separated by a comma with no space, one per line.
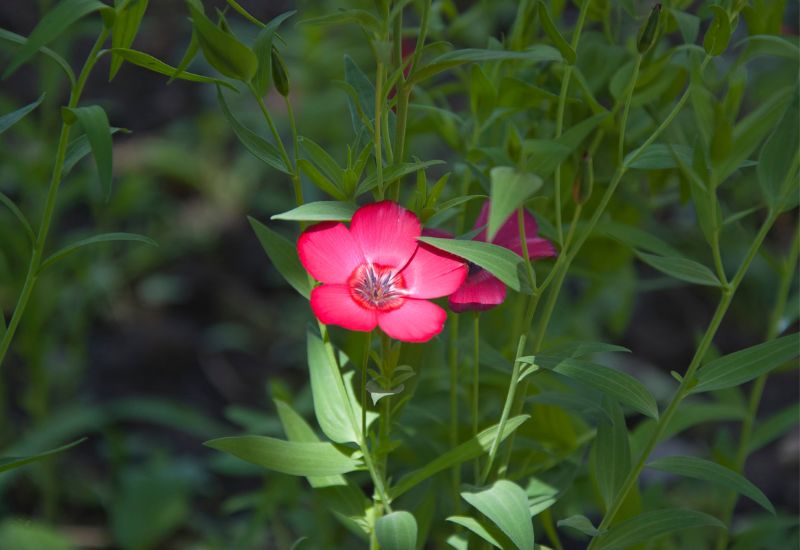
[612,453]
[509,190]
[55,22]
[485,530]
[262,47]
[681,268]
[222,50]
[580,523]
[648,526]
[552,31]
[123,32]
[14,209]
[95,125]
[745,365]
[468,450]
[778,155]
[9,119]
[20,40]
[397,531]
[258,146]
[719,32]
[7,464]
[287,457]
[698,468]
[103,238]
[283,255]
[79,148]
[319,211]
[499,261]
[506,504]
[147,61]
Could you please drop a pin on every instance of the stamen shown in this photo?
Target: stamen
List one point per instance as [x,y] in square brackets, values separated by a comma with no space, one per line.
[377,287]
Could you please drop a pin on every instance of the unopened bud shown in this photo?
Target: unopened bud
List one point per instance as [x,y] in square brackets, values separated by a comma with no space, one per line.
[647,36]
[279,74]
[584,180]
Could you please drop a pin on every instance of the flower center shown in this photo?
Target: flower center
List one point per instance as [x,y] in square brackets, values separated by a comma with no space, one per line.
[377,287]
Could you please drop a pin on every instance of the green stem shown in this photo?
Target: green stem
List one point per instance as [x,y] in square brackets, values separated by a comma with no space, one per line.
[476,379]
[364,365]
[512,388]
[688,378]
[626,109]
[377,133]
[455,471]
[788,269]
[296,183]
[32,275]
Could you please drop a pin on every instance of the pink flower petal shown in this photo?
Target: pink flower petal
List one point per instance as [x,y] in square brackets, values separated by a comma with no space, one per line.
[414,321]
[537,248]
[432,273]
[481,291]
[328,251]
[386,232]
[508,234]
[333,305]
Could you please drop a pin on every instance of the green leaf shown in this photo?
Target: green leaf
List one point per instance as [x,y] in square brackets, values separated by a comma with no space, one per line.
[258,146]
[488,532]
[126,25]
[544,155]
[320,180]
[698,468]
[468,450]
[534,54]
[506,504]
[623,387]
[7,464]
[509,190]
[364,92]
[20,40]
[55,22]
[552,31]
[319,211]
[744,365]
[768,44]
[774,427]
[659,156]
[719,32]
[360,17]
[499,261]
[778,155]
[288,457]
[14,209]
[9,119]
[147,61]
[689,415]
[262,47]
[688,24]
[222,50]
[397,531]
[102,238]
[322,159]
[646,527]
[79,148]
[612,452]
[332,404]
[681,268]
[238,8]
[635,238]
[395,171]
[95,125]
[283,255]
[580,523]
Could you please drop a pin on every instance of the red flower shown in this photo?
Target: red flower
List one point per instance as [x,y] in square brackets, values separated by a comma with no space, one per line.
[482,290]
[377,274]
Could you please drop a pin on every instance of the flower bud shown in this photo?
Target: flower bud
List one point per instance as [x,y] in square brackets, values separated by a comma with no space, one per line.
[647,36]
[279,74]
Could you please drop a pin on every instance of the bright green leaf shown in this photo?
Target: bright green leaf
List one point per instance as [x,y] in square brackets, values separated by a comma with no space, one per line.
[319,211]
[719,32]
[499,261]
[222,50]
[320,180]
[698,468]
[506,504]
[397,531]
[147,61]
[659,156]
[79,148]
[744,365]
[288,457]
[485,530]
[262,47]
[579,523]
[552,31]
[20,40]
[681,268]
[95,125]
[510,189]
[283,255]
[394,172]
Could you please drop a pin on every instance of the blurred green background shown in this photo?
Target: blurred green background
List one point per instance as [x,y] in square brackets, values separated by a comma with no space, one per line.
[150,351]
